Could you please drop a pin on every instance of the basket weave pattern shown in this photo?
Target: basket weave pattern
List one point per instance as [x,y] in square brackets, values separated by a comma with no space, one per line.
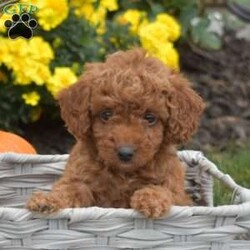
[201,227]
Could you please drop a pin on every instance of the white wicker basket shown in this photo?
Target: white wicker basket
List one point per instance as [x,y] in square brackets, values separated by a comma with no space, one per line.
[198,228]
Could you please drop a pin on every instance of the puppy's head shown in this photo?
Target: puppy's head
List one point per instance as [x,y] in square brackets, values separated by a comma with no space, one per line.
[131,105]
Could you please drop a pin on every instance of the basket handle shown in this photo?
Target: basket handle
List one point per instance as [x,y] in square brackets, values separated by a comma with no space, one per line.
[240,194]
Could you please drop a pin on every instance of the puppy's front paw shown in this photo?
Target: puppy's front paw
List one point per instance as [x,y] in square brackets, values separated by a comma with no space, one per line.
[44,203]
[153,202]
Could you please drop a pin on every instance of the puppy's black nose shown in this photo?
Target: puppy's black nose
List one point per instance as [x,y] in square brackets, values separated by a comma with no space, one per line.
[125,153]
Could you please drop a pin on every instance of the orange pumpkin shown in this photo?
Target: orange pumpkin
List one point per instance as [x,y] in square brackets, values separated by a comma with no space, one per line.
[10,142]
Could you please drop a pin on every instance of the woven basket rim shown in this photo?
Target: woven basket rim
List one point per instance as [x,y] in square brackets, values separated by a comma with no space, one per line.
[96,213]
[30,158]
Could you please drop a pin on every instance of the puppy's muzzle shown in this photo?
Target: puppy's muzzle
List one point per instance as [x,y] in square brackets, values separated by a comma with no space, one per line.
[125,153]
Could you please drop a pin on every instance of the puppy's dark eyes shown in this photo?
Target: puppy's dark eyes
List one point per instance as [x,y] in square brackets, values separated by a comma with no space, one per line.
[150,118]
[105,115]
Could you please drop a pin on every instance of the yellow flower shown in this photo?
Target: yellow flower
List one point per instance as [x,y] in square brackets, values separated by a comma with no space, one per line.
[169,55]
[35,65]
[3,18]
[96,16]
[62,78]
[133,17]
[35,72]
[83,8]
[28,60]
[153,33]
[172,26]
[79,3]
[40,50]
[166,53]
[155,38]
[98,20]
[3,49]
[22,77]
[51,13]
[31,98]
[13,52]
[110,5]
[34,2]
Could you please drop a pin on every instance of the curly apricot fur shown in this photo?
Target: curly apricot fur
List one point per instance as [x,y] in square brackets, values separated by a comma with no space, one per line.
[129,84]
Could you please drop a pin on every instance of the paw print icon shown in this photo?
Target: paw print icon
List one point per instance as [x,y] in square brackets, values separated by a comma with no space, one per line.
[21,26]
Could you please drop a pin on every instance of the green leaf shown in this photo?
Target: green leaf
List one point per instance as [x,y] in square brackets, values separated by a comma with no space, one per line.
[198,28]
[186,15]
[210,41]
[136,4]
[204,38]
[156,9]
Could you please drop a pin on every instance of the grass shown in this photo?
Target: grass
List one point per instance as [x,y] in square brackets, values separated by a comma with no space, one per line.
[236,163]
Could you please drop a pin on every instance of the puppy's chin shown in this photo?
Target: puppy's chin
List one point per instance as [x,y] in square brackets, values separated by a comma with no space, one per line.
[127,166]
[120,166]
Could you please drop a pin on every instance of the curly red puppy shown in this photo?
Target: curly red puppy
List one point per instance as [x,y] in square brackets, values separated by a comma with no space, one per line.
[127,114]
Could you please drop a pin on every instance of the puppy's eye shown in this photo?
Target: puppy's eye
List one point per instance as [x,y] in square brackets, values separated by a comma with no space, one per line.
[105,115]
[150,118]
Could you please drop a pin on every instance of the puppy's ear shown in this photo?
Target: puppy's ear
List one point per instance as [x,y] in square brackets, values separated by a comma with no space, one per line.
[74,104]
[185,107]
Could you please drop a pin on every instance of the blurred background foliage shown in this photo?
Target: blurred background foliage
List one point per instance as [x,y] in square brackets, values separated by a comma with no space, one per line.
[71,33]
